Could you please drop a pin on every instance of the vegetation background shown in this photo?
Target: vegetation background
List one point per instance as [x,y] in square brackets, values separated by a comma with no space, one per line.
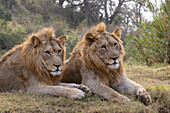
[147,45]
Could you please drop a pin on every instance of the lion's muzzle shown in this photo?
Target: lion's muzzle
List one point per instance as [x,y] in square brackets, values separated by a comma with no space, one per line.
[57,71]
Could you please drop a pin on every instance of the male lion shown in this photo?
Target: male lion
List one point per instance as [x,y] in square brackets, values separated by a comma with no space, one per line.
[97,62]
[36,65]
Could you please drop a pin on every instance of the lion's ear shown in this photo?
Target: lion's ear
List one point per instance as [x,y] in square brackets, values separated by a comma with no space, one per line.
[90,38]
[118,32]
[35,41]
[62,39]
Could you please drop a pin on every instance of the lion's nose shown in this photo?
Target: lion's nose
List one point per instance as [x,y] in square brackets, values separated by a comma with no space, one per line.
[114,58]
[56,65]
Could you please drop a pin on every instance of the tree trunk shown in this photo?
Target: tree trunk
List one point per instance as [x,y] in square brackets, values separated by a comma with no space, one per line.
[61,2]
[105,9]
[112,17]
[87,13]
[168,54]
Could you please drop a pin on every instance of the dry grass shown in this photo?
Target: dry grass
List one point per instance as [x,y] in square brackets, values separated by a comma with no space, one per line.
[155,80]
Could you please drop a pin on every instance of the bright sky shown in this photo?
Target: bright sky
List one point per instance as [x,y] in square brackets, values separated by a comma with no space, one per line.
[148,15]
[145,15]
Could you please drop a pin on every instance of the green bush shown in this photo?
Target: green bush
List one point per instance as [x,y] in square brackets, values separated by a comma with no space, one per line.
[72,39]
[5,15]
[150,43]
[11,34]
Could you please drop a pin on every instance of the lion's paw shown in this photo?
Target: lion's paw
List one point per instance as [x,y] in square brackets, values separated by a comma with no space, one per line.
[143,96]
[84,89]
[124,98]
[76,94]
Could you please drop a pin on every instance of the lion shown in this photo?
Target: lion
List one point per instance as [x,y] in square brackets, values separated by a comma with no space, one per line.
[97,62]
[35,66]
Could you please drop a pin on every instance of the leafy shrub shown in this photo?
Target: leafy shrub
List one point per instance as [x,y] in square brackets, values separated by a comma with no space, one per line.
[72,39]
[10,34]
[5,15]
[150,43]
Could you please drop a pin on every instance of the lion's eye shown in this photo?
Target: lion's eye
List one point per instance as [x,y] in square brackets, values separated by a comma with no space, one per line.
[47,52]
[59,51]
[103,47]
[115,44]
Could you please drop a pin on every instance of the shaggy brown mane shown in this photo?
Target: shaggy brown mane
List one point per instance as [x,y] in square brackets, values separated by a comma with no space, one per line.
[100,28]
[29,56]
[90,60]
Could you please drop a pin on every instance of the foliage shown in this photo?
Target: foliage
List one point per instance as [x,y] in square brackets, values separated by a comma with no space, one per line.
[11,34]
[5,15]
[74,16]
[72,40]
[150,43]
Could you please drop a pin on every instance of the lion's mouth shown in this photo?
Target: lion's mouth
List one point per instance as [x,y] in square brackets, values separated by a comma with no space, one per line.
[56,72]
[113,65]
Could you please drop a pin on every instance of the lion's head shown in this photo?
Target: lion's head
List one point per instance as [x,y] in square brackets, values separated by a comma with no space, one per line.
[102,49]
[44,54]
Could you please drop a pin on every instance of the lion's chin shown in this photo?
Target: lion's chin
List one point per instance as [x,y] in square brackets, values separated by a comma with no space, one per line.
[113,66]
[55,73]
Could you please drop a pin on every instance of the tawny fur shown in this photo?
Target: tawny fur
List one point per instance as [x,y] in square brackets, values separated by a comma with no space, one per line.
[83,55]
[97,62]
[27,67]
[23,56]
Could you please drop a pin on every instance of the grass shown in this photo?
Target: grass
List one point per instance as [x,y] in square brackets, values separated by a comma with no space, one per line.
[155,79]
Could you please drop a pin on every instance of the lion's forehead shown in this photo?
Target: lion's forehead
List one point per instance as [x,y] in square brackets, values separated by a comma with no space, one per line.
[111,39]
[108,39]
[52,45]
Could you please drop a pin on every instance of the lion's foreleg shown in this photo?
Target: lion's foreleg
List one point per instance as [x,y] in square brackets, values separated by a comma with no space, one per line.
[61,91]
[78,86]
[128,86]
[91,80]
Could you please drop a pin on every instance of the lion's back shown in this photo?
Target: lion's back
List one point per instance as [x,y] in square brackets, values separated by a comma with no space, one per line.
[71,73]
[11,70]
